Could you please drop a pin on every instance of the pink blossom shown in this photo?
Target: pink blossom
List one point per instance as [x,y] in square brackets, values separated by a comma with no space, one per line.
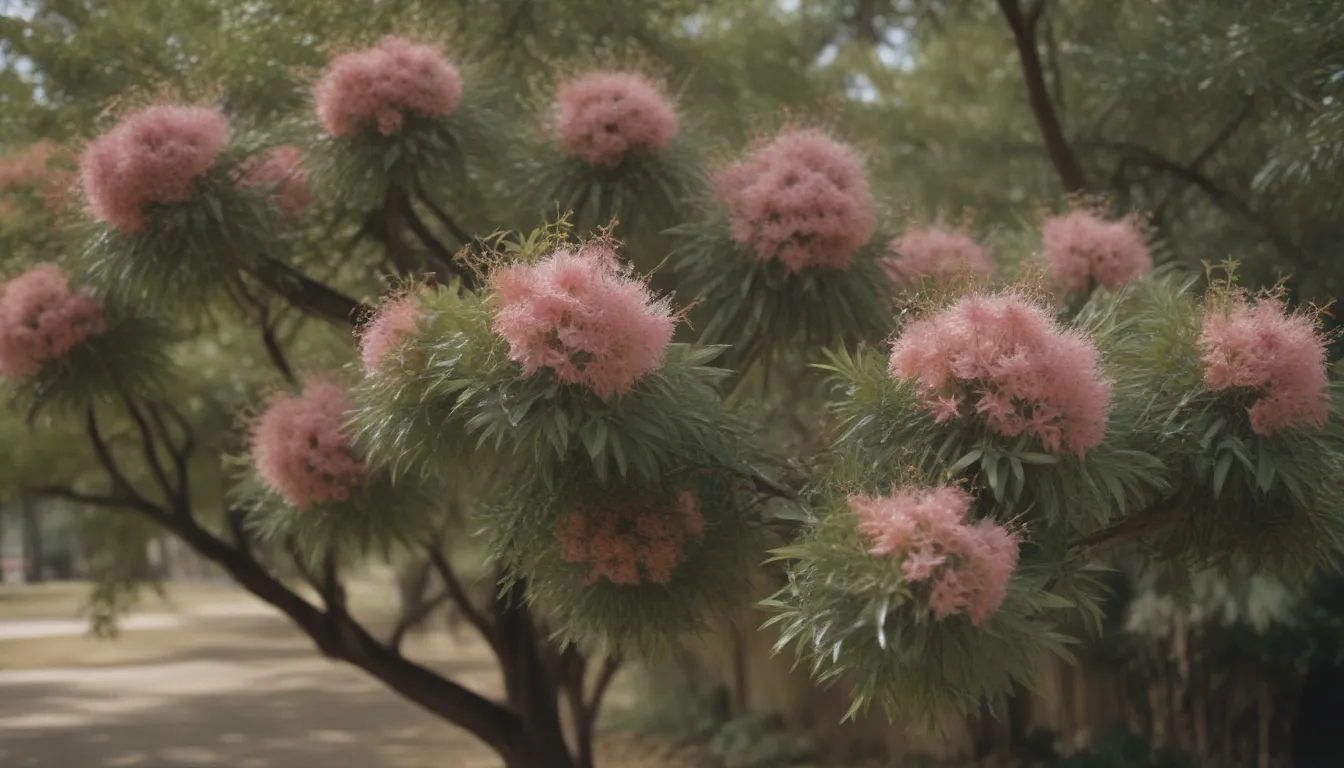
[603,116]
[281,172]
[1278,355]
[42,319]
[392,325]
[801,198]
[967,566]
[377,87]
[40,167]
[1023,373]
[580,314]
[1083,249]
[631,542]
[936,254]
[300,446]
[151,156]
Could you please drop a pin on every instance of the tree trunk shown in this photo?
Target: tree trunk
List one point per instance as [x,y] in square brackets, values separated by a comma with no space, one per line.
[531,683]
[32,542]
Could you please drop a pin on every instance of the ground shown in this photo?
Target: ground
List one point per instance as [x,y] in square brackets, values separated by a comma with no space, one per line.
[215,678]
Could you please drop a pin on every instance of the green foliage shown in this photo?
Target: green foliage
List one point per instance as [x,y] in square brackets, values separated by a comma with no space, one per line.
[428,157]
[643,194]
[188,253]
[883,428]
[851,616]
[376,519]
[407,417]
[758,308]
[130,357]
[643,619]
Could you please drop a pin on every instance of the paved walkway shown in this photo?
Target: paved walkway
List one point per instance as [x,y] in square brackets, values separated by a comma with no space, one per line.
[229,687]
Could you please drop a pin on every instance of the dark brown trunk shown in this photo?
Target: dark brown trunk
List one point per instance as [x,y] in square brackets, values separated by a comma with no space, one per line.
[32,543]
[1024,26]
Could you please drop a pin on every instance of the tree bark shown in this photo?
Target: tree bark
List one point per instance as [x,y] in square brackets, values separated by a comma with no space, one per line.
[1023,24]
[32,542]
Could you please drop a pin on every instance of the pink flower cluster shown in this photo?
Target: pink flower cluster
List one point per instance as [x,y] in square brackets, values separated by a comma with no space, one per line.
[32,167]
[281,172]
[387,333]
[603,116]
[632,542]
[580,314]
[967,566]
[1279,355]
[41,319]
[1083,249]
[801,198]
[154,155]
[300,447]
[936,254]
[378,86]
[1002,357]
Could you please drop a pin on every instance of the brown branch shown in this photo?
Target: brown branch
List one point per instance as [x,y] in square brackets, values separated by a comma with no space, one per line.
[765,485]
[1023,26]
[1224,135]
[148,448]
[334,632]
[586,719]
[1217,194]
[460,596]
[309,295]
[1136,526]
[414,617]
[120,484]
[70,494]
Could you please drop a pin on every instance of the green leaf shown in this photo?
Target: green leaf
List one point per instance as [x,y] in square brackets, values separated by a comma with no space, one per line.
[1036,458]
[1264,472]
[1220,472]
[1212,432]
[965,461]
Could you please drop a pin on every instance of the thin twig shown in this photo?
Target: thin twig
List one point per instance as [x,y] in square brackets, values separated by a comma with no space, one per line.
[459,595]
[119,481]
[148,447]
[412,619]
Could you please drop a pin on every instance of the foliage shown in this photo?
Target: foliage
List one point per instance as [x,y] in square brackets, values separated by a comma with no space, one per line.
[202,326]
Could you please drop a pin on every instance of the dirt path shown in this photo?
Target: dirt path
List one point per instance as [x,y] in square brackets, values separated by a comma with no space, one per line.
[221,687]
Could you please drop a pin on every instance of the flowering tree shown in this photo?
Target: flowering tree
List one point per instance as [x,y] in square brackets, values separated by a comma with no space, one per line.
[975,435]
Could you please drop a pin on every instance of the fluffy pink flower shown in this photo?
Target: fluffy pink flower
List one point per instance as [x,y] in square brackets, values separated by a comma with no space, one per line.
[41,319]
[377,87]
[632,542]
[603,116]
[281,172]
[392,325]
[936,254]
[967,566]
[801,198]
[1276,354]
[1003,356]
[1083,249]
[151,156]
[580,314]
[300,447]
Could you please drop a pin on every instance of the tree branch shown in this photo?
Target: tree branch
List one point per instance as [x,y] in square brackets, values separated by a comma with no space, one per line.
[309,295]
[1057,147]
[460,596]
[147,445]
[120,484]
[1136,526]
[413,618]
[1218,195]
[70,494]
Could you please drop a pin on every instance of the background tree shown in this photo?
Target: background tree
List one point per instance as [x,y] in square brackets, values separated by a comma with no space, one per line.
[210,297]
